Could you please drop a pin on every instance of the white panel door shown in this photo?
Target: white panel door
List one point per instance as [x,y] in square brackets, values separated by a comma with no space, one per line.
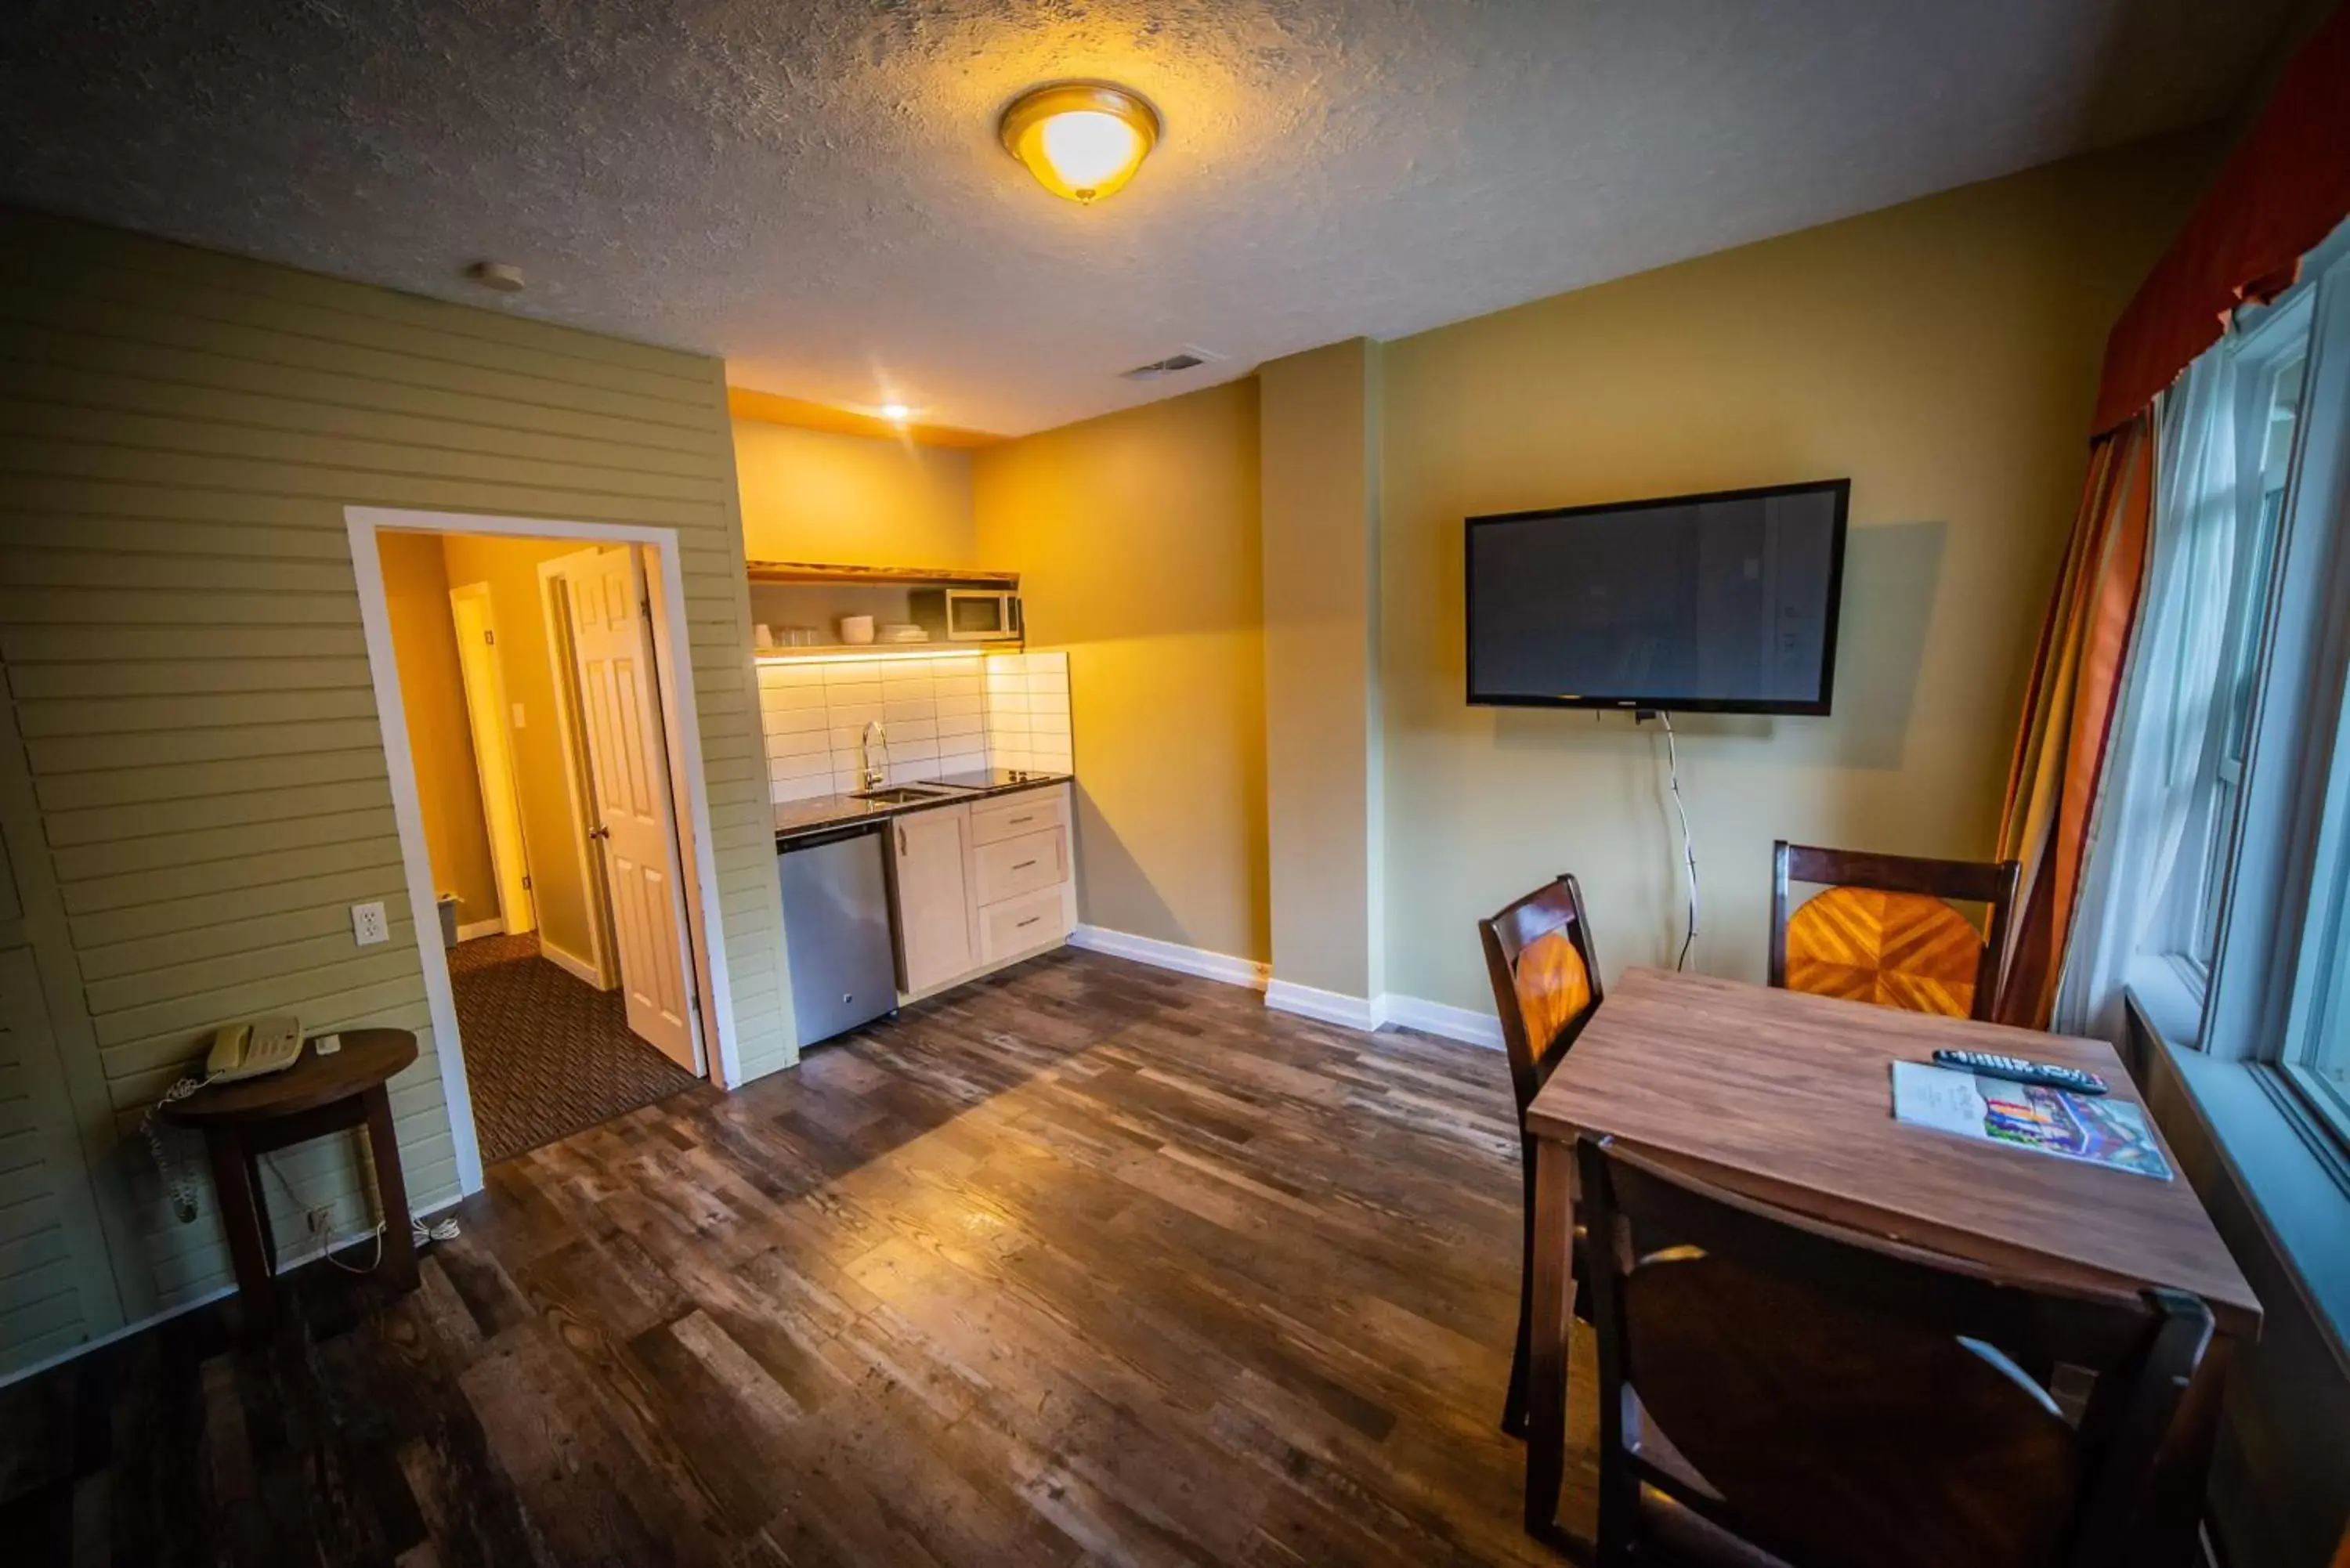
[620,710]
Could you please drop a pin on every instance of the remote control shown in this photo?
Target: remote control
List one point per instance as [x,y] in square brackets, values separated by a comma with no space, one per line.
[2017,1070]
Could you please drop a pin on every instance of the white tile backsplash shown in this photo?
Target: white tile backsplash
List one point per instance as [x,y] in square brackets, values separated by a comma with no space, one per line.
[948,713]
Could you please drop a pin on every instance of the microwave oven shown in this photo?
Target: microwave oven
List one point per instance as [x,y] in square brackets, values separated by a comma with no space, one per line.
[968,614]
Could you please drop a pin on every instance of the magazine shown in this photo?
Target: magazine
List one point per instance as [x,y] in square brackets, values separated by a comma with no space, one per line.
[2088,1127]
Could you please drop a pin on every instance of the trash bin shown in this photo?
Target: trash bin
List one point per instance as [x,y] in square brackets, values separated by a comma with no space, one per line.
[448,919]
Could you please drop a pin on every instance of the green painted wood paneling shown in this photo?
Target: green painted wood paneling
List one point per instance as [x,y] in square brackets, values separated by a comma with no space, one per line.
[204,775]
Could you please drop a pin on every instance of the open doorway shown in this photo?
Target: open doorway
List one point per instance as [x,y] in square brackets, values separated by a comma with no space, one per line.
[539,707]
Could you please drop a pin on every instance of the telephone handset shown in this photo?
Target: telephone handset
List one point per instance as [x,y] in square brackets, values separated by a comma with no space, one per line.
[269,1044]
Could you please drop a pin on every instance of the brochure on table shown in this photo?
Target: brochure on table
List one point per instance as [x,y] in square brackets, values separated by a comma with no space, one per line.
[2093,1128]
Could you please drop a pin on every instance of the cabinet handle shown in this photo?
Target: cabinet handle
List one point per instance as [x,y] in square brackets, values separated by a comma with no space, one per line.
[1029,921]
[1023,866]
[902,841]
[1017,821]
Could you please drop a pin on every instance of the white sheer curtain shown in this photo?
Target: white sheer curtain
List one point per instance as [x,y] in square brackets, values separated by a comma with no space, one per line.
[2168,703]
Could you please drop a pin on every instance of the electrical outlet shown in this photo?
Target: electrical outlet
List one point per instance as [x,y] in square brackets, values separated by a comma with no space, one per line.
[369,924]
[519,721]
[318,1223]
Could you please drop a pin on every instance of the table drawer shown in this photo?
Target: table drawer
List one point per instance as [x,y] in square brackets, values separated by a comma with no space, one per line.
[1016,925]
[1030,811]
[1011,867]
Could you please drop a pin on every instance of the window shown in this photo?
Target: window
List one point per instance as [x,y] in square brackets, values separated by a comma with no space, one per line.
[2256,912]
[2317,1054]
[2271,361]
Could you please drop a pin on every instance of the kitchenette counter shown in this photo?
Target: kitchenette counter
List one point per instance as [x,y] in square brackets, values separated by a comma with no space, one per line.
[823,813]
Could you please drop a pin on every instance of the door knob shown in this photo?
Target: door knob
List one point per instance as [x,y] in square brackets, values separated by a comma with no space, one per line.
[600,832]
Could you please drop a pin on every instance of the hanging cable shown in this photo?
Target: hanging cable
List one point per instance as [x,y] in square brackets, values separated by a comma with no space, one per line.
[420,1232]
[1689,845]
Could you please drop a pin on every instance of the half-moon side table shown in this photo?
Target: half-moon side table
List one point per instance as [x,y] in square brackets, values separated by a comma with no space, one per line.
[245,1119]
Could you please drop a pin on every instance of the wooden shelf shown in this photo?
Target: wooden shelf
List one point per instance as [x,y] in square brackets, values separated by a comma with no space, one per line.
[882,577]
[841,651]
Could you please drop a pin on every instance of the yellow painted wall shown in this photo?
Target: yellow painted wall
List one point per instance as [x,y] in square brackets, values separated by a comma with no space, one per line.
[818,496]
[432,689]
[1319,467]
[1943,354]
[550,839]
[1136,538]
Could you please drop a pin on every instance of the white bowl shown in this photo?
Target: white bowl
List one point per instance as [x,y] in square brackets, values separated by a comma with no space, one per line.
[856,629]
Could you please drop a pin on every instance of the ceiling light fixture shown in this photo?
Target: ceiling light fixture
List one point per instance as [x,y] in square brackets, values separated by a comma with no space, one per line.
[1083,141]
[896,413]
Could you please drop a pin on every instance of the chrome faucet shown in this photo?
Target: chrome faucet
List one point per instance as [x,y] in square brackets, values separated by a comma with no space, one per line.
[874,774]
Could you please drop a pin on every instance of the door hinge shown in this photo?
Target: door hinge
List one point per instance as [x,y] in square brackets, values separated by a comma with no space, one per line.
[525,884]
[490,636]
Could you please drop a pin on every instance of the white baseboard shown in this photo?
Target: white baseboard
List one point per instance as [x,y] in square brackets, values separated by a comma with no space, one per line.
[1326,1006]
[473,928]
[1462,1023]
[571,962]
[1173,955]
[286,1264]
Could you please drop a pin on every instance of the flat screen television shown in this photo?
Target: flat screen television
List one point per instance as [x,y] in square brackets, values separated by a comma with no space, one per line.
[1701,604]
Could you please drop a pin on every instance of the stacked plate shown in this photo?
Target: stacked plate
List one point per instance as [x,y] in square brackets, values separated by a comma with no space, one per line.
[903,631]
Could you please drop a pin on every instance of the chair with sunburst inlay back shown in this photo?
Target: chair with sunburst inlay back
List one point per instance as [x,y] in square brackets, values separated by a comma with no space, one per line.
[1884,932]
[1546,975]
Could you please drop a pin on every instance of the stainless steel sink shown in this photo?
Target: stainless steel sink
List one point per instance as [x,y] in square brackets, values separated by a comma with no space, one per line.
[904,795]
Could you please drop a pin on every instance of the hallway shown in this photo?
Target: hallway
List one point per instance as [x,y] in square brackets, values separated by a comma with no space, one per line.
[546,1052]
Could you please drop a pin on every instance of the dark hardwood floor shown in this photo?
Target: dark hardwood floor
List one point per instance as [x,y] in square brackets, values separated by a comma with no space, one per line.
[1084,1263]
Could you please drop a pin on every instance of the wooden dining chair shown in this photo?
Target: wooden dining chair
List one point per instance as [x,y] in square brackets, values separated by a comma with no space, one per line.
[1770,1385]
[1883,933]
[1546,975]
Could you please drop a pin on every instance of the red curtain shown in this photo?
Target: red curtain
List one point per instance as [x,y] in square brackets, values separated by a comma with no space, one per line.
[2068,711]
[2283,191]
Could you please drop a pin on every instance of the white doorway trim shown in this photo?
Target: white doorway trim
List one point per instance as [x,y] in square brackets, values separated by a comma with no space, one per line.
[364,524]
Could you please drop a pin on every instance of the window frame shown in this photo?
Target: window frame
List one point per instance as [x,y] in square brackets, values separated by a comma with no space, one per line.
[2186,931]
[2268,978]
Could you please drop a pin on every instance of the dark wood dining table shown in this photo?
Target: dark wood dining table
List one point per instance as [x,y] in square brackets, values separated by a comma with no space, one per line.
[1787,1099]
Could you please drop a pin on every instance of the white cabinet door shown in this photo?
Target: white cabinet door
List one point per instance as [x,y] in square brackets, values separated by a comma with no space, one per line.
[935,943]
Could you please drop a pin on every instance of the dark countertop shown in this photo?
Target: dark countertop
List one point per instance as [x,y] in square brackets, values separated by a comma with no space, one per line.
[821,814]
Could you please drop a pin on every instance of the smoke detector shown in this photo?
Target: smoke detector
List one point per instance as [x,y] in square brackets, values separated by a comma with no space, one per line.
[1191,357]
[502,277]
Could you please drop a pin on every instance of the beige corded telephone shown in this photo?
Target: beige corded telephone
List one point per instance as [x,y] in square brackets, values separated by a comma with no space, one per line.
[268,1044]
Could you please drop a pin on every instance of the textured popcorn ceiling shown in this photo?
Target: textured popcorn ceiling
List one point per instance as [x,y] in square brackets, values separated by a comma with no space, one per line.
[815,191]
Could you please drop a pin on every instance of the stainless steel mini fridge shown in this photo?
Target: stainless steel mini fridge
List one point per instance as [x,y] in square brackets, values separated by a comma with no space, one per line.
[837,930]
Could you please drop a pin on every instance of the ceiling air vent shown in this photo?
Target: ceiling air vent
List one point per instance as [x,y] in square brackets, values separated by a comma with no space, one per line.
[1190,356]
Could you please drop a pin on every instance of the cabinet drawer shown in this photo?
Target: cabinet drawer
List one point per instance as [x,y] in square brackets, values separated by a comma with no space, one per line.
[1016,925]
[1030,811]
[1010,866]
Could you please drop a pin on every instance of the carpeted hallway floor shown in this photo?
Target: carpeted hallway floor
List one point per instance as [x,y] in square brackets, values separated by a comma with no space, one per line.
[546,1054]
